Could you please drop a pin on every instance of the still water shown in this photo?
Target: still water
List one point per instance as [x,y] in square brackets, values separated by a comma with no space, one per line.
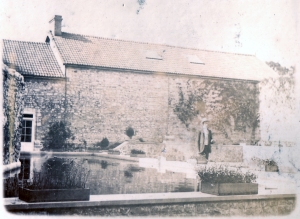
[111,176]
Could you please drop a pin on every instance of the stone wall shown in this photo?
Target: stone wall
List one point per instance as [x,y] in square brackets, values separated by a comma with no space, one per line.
[226,153]
[104,103]
[13,88]
[47,97]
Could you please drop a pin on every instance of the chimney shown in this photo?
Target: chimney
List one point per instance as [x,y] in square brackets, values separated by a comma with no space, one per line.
[55,25]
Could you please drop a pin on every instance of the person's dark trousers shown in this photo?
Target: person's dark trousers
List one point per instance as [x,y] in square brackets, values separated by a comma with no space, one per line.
[206,151]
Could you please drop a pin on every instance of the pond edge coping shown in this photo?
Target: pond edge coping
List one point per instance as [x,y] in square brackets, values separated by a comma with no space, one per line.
[139,199]
[11,166]
[56,153]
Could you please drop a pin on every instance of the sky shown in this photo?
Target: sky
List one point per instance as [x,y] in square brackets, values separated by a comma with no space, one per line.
[265,28]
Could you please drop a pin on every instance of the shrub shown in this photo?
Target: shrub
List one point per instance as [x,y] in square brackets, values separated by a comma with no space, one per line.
[270,162]
[223,174]
[128,174]
[57,137]
[104,164]
[141,140]
[129,132]
[134,151]
[104,143]
[264,161]
[60,173]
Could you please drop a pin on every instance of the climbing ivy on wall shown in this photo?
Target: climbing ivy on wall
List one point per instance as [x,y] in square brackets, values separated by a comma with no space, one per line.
[229,105]
[13,88]
[282,85]
[185,108]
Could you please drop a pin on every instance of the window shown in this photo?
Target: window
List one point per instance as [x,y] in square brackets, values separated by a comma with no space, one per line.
[27,122]
[193,59]
[153,55]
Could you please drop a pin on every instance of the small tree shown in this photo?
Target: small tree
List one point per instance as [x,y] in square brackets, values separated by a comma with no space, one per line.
[129,132]
[57,136]
[104,143]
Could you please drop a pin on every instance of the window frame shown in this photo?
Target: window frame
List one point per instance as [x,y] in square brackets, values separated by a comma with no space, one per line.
[29,146]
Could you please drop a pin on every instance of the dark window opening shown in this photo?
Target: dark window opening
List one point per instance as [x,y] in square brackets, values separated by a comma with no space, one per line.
[26,135]
[27,116]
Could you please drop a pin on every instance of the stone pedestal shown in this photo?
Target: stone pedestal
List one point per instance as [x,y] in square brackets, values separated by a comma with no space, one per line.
[201,159]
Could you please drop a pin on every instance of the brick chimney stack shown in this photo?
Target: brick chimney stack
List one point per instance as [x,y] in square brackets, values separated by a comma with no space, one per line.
[55,25]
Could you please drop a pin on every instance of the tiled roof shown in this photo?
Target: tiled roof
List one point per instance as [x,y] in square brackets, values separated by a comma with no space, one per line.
[103,52]
[30,58]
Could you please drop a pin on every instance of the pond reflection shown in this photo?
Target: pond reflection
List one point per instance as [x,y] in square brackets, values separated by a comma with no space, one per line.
[111,176]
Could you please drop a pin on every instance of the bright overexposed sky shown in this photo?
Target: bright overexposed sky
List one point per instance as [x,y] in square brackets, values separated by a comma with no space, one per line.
[266,28]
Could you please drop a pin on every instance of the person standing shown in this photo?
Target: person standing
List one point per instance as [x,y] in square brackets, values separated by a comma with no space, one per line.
[205,139]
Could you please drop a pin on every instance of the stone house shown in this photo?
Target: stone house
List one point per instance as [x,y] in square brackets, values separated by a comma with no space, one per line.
[101,86]
[44,90]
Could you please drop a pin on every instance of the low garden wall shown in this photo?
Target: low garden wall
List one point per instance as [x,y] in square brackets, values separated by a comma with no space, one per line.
[163,204]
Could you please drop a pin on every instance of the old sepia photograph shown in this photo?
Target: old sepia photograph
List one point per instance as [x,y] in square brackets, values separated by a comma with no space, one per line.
[150,108]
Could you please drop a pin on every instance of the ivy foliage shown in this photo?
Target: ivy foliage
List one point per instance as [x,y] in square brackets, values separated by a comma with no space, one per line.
[229,104]
[185,108]
[13,90]
[281,85]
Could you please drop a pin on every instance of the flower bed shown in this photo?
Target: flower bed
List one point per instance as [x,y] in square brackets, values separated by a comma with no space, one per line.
[137,153]
[224,181]
[268,164]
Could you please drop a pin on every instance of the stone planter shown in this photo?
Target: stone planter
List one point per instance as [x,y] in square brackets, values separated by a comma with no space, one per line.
[229,188]
[138,155]
[114,152]
[54,195]
[271,168]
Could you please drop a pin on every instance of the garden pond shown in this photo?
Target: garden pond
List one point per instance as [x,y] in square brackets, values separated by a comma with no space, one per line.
[109,176]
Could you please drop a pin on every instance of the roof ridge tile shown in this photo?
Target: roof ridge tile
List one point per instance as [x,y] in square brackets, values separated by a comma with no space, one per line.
[43,43]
